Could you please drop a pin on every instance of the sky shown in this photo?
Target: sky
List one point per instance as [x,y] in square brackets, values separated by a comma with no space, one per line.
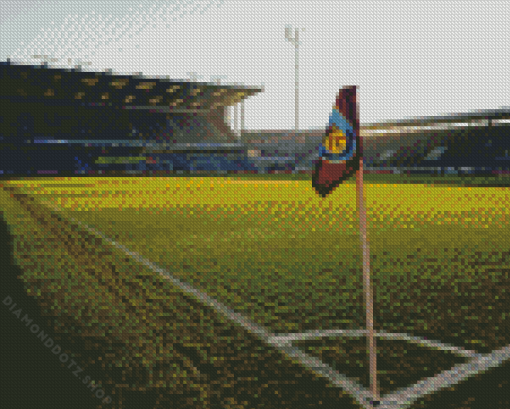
[408,58]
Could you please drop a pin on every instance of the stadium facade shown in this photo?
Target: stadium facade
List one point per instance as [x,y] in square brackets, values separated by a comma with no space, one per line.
[66,122]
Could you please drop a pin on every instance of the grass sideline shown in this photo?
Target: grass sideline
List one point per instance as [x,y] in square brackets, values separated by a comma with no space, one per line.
[462,239]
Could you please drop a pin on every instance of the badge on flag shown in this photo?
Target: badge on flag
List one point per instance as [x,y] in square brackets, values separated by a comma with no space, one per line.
[340,150]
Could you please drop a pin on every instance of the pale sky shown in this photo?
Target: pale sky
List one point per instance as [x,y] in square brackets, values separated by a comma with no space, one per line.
[409,58]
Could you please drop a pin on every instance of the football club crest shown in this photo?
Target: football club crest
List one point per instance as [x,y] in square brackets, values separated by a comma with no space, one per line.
[340,149]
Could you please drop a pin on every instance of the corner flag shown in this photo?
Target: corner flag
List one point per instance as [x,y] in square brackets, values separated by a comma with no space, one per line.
[341,155]
[341,148]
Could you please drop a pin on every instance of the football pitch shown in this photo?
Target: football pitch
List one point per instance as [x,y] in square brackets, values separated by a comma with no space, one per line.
[285,259]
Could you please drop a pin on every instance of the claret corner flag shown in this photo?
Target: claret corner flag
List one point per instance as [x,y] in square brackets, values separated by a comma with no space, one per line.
[340,150]
[341,156]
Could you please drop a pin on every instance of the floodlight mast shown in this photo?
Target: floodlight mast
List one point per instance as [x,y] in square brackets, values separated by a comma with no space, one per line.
[236,130]
[295,41]
[242,119]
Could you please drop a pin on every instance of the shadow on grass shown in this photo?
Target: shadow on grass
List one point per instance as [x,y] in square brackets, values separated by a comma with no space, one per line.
[31,375]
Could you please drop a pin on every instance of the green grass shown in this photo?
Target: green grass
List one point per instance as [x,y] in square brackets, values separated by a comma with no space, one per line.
[452,180]
[291,261]
[293,284]
[150,341]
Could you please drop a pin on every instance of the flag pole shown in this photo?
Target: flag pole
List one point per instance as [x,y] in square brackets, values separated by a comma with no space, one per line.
[367,285]
[333,169]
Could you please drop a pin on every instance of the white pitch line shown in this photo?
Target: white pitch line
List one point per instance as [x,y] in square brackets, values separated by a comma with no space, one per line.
[286,339]
[399,400]
[406,396]
[457,374]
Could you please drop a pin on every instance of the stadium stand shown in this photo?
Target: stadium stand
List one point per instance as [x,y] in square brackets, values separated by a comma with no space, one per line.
[412,148]
[58,121]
